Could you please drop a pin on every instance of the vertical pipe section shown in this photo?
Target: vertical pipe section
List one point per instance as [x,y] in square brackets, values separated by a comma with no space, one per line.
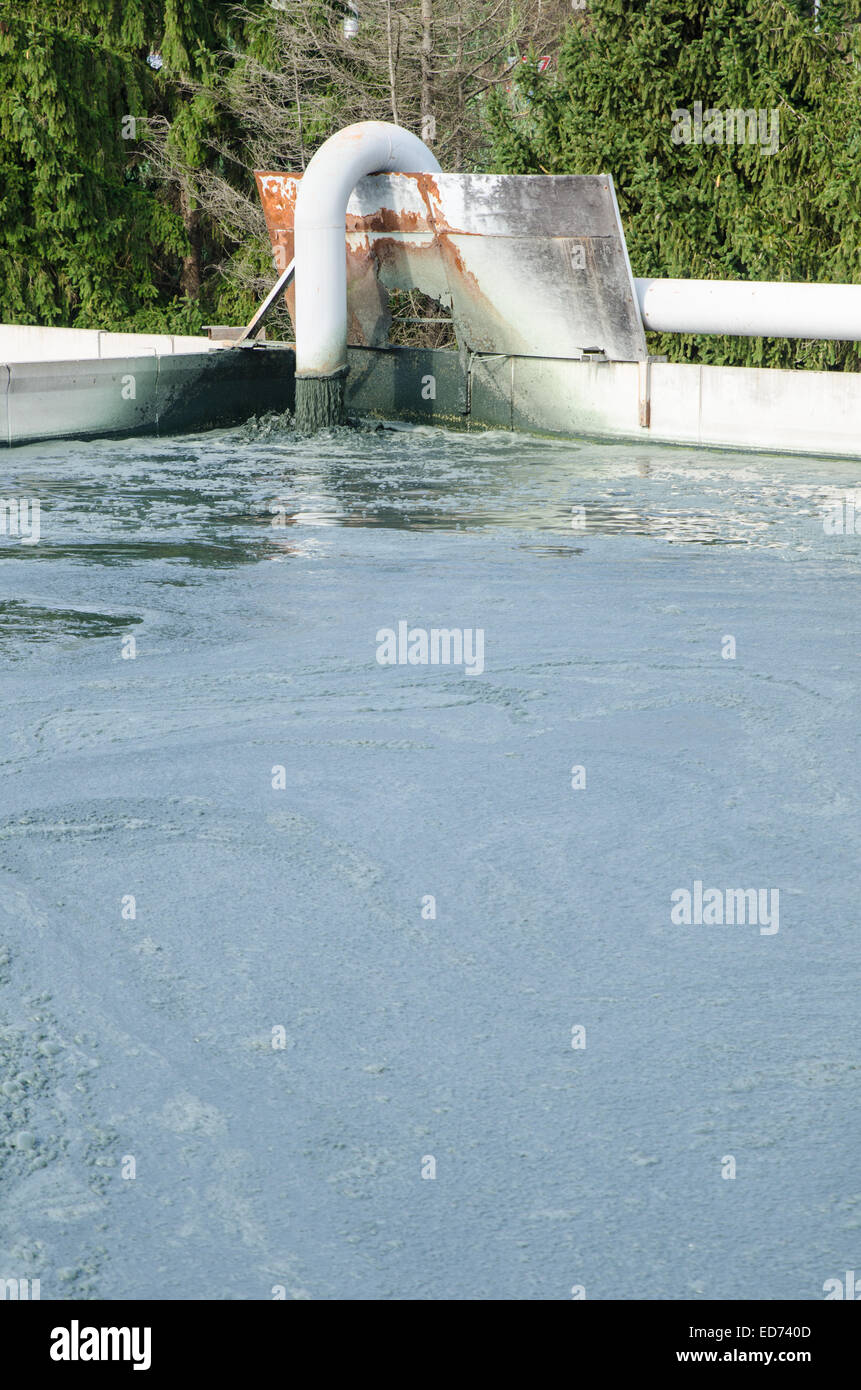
[371,147]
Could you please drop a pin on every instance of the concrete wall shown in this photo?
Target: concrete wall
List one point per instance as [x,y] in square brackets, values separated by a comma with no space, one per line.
[23,343]
[742,407]
[737,407]
[155,394]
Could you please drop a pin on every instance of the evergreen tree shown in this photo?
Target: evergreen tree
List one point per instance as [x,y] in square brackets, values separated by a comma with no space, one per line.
[90,238]
[709,210]
[303,73]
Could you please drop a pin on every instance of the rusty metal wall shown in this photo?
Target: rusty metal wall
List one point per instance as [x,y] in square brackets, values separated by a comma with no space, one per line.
[531,265]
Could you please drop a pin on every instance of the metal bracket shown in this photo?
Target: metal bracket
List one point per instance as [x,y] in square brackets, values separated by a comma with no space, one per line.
[644,381]
[268,304]
[465,358]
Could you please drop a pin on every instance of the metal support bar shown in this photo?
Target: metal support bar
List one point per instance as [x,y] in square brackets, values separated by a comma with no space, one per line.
[268,304]
[644,370]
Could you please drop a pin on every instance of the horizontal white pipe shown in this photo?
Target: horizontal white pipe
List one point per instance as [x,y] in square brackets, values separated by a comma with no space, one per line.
[751,309]
[371,147]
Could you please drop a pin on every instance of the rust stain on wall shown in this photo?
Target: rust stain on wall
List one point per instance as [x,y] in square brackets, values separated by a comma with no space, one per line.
[461,240]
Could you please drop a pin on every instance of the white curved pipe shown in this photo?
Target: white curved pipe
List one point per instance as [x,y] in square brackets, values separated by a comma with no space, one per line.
[751,309]
[371,147]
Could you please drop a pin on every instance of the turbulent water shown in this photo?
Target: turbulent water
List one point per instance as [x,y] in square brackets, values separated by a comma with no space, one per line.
[337,979]
[319,402]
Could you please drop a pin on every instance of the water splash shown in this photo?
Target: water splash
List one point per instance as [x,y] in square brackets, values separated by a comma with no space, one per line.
[319,402]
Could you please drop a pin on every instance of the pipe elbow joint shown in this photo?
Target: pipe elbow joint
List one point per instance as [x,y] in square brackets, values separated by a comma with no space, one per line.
[370,147]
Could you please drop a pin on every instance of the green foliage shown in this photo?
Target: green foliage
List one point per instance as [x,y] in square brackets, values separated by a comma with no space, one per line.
[95,233]
[91,236]
[698,210]
[180,315]
[76,229]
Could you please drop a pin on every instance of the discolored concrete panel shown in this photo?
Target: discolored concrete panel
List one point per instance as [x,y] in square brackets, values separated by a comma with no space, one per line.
[82,399]
[143,394]
[421,385]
